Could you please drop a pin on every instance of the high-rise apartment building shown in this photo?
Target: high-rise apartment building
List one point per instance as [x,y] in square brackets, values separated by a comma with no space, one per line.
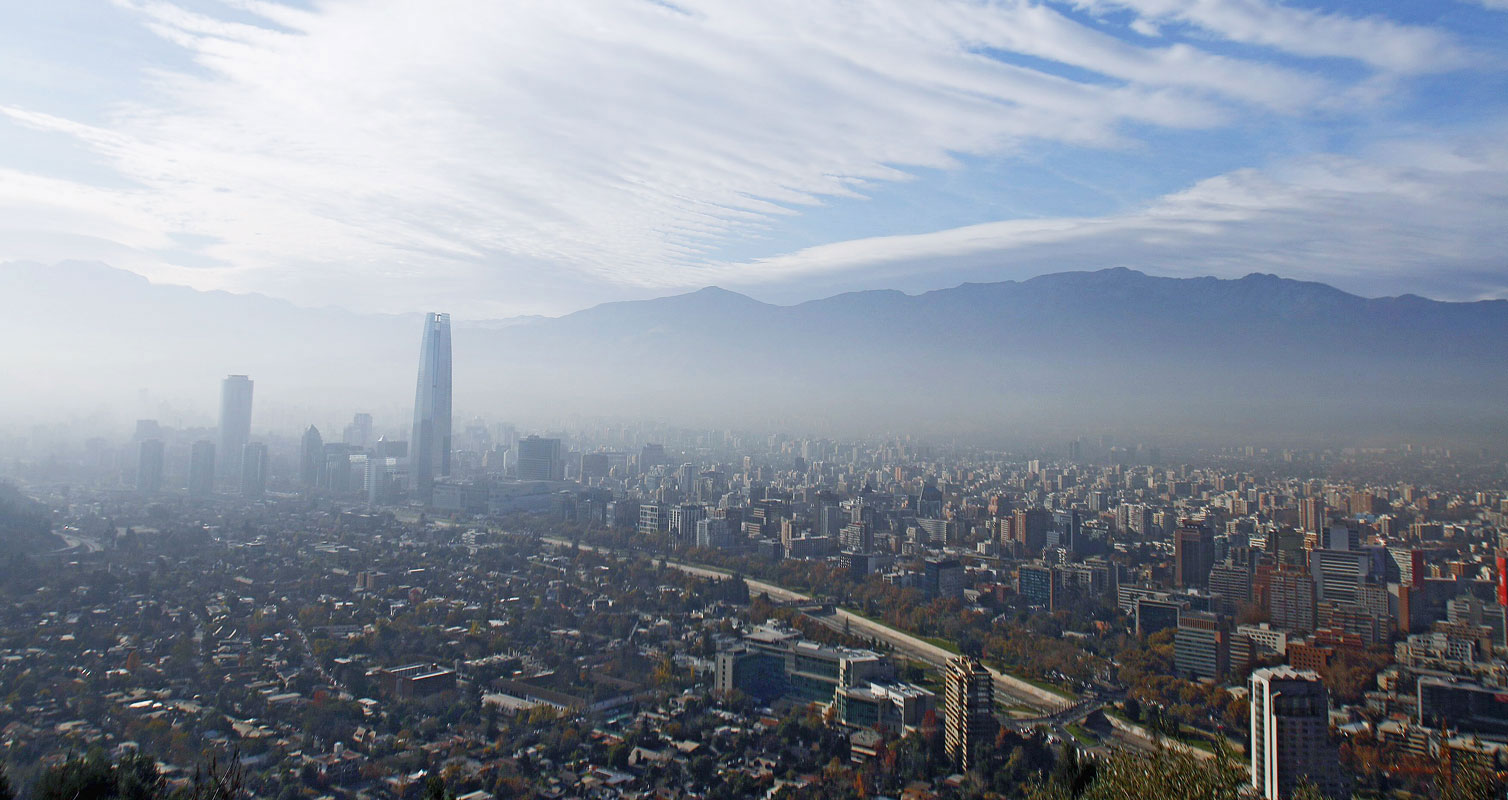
[1290,734]
[1312,514]
[429,447]
[235,424]
[969,709]
[683,520]
[1232,581]
[311,462]
[539,459]
[1037,583]
[201,474]
[253,469]
[1291,598]
[149,464]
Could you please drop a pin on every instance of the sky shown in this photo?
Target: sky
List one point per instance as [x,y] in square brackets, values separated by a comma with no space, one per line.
[499,158]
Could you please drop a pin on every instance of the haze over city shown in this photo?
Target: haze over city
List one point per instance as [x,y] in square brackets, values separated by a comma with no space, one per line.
[800,399]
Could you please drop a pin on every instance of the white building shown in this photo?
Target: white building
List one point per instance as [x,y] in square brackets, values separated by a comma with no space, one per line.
[1290,734]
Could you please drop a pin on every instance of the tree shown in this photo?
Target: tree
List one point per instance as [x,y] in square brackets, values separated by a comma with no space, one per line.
[137,778]
[434,789]
[214,782]
[1160,775]
[6,793]
[89,778]
[1461,778]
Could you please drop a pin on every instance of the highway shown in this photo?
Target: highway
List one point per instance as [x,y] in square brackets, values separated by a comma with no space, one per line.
[1059,710]
[904,643]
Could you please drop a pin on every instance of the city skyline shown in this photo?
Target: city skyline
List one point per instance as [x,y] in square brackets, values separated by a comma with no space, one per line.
[814,400]
[1398,367]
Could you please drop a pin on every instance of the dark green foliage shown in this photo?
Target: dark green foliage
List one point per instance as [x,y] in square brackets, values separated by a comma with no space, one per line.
[434,789]
[133,777]
[94,777]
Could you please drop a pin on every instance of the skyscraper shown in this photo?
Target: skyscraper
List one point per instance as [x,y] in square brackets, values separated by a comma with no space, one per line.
[253,469]
[149,467]
[429,447]
[1290,734]
[539,459]
[201,476]
[235,424]
[969,708]
[1193,555]
[359,432]
[311,458]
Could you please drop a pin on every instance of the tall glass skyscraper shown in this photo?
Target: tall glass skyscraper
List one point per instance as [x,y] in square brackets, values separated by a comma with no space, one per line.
[235,424]
[429,448]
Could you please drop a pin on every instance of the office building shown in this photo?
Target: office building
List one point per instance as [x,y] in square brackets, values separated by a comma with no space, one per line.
[1338,574]
[539,459]
[1155,614]
[942,578]
[253,469]
[311,458]
[1202,646]
[415,681]
[895,706]
[429,446]
[235,424]
[149,461]
[772,662]
[1193,556]
[1290,734]
[683,520]
[714,534]
[201,474]
[1461,705]
[359,432]
[1029,529]
[150,466]
[651,456]
[969,709]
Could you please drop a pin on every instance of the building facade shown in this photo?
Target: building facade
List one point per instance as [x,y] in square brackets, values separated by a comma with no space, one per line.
[235,424]
[1290,734]
[969,709]
[429,446]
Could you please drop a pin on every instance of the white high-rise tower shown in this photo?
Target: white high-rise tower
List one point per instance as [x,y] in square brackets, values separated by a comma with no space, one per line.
[429,448]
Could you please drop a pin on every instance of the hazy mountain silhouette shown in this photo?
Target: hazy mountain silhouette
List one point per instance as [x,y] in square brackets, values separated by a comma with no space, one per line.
[1258,355]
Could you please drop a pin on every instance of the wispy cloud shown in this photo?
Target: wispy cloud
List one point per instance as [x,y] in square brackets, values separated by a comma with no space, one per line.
[1371,39]
[384,152]
[1413,217]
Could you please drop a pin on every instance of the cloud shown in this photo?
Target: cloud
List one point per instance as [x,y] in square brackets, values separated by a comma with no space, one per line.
[1373,40]
[1411,217]
[382,153]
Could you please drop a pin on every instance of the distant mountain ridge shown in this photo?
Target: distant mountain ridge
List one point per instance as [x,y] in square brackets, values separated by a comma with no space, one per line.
[1115,346]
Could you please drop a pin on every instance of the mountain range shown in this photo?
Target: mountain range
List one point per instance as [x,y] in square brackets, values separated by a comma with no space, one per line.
[1115,348]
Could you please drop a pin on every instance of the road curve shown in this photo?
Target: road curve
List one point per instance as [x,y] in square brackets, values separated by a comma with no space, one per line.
[909,645]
